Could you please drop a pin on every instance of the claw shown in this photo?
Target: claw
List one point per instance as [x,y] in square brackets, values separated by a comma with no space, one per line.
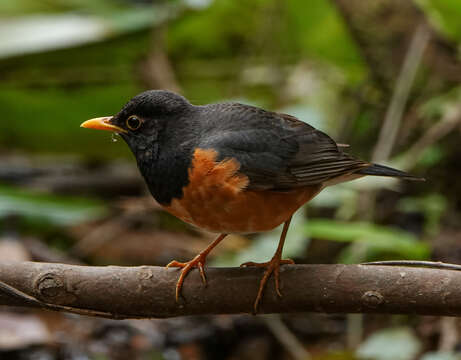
[272,266]
[265,264]
[198,262]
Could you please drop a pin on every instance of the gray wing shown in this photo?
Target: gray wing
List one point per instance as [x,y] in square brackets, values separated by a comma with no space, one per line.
[279,152]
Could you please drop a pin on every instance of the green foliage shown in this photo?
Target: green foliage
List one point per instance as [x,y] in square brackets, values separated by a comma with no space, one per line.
[369,241]
[93,63]
[433,206]
[431,156]
[321,33]
[336,355]
[203,35]
[58,210]
[21,7]
[55,92]
[267,28]
[445,15]
[48,120]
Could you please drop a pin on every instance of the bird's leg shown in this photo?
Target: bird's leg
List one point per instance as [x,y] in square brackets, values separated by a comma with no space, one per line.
[198,261]
[272,266]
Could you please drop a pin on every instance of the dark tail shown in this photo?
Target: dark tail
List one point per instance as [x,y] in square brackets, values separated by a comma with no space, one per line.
[381,170]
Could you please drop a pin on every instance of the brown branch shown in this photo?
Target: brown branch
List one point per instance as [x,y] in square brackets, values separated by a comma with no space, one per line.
[148,291]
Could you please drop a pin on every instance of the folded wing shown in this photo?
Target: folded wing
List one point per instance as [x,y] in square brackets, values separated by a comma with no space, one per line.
[279,152]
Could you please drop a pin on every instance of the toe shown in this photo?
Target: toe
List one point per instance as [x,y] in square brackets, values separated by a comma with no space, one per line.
[287,261]
[202,272]
[175,263]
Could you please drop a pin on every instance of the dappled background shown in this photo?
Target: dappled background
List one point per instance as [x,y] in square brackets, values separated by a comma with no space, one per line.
[382,76]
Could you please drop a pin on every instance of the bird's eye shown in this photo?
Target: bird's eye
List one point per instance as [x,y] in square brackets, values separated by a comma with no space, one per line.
[133,122]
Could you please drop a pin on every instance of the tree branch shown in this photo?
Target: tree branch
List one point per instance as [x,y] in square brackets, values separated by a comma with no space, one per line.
[148,291]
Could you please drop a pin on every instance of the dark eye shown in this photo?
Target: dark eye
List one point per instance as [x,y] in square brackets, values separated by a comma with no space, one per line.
[133,122]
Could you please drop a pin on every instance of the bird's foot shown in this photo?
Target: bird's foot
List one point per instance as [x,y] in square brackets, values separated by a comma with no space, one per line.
[272,266]
[198,262]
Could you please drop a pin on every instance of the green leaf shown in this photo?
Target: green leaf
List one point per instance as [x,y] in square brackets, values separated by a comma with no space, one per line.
[444,15]
[54,209]
[378,239]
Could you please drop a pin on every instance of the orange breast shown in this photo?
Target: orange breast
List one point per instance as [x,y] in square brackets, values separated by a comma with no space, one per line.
[216,200]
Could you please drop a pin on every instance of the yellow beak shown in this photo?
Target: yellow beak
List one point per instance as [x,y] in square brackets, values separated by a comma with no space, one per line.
[102,123]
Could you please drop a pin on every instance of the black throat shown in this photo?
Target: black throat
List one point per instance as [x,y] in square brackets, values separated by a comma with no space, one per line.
[165,165]
[167,176]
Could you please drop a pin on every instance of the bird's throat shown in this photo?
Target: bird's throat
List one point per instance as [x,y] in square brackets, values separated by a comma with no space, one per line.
[165,174]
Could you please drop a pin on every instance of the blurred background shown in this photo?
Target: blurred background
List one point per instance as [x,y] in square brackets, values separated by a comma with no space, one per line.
[383,76]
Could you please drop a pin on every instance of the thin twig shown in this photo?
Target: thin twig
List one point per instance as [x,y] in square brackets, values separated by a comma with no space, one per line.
[286,337]
[447,124]
[400,95]
[416,263]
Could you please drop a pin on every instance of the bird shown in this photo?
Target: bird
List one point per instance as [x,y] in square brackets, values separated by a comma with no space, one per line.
[231,168]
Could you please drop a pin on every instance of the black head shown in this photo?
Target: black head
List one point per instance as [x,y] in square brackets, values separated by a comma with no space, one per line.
[152,104]
[145,117]
[156,125]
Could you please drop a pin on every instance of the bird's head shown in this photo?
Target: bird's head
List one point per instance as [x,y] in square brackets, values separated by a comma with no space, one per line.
[143,120]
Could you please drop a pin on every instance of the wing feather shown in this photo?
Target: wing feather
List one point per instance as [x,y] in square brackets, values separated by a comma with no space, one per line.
[278,151]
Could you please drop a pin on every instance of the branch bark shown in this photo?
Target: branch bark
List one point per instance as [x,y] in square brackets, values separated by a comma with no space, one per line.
[148,291]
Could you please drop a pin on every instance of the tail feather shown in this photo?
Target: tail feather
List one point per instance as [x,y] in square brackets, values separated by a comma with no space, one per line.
[381,170]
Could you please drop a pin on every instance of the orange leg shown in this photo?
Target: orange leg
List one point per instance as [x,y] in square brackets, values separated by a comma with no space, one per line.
[272,266]
[198,261]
